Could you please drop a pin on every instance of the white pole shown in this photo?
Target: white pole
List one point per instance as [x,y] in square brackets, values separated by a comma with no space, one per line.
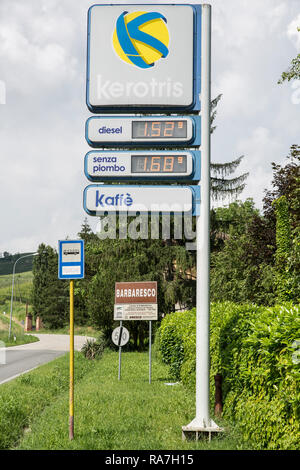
[203,242]
[202,420]
[11,300]
[12,289]
[150,347]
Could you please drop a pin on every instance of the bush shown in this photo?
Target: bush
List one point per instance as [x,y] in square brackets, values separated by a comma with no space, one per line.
[93,349]
[170,339]
[252,347]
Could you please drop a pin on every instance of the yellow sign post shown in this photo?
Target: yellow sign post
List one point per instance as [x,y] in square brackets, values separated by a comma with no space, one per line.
[71,266]
[71,403]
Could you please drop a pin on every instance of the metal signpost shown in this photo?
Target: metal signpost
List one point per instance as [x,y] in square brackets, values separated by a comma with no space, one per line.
[120,337]
[154,58]
[71,266]
[136,301]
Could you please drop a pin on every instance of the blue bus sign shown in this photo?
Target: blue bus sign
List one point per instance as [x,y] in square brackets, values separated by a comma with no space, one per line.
[71,259]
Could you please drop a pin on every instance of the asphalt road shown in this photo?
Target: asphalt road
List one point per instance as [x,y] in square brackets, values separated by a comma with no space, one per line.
[16,360]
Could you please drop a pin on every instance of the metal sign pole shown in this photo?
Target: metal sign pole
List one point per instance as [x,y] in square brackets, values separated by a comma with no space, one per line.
[71,403]
[202,422]
[150,347]
[120,350]
[202,230]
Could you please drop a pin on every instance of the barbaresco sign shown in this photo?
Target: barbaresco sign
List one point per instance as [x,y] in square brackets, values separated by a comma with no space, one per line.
[136,292]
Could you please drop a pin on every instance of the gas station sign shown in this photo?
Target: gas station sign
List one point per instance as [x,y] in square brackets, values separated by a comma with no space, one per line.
[122,131]
[143,57]
[179,165]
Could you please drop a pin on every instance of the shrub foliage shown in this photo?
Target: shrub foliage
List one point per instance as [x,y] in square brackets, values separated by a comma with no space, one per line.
[254,350]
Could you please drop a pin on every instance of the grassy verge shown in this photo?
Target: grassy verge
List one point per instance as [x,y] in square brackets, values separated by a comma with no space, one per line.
[24,399]
[78,330]
[22,286]
[17,333]
[20,339]
[109,414]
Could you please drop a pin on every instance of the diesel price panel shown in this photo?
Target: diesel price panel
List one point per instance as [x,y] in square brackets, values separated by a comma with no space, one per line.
[122,131]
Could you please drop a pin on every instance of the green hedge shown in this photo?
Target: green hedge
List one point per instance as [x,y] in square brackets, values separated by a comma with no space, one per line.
[253,348]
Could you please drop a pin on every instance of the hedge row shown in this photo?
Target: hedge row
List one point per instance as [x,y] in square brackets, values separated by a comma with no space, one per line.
[254,350]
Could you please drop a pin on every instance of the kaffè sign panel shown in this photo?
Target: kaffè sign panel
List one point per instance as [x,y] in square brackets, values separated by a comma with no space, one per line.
[101,198]
[142,56]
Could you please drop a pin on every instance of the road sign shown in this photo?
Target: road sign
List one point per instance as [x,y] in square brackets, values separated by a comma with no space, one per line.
[101,198]
[139,292]
[135,312]
[176,165]
[136,300]
[143,57]
[120,336]
[121,131]
[71,259]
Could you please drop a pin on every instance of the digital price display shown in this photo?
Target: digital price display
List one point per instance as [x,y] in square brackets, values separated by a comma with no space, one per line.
[142,165]
[158,163]
[159,129]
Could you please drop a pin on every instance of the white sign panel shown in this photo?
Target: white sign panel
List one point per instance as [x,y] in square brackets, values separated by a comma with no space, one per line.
[138,164]
[140,56]
[139,130]
[71,252]
[110,198]
[135,312]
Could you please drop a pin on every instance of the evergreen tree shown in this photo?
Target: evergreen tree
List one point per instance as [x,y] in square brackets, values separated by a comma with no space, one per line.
[223,187]
[86,232]
[49,294]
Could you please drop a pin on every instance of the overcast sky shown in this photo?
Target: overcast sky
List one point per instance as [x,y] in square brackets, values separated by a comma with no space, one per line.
[42,144]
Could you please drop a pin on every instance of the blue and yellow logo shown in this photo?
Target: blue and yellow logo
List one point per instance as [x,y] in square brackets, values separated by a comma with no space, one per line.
[141,38]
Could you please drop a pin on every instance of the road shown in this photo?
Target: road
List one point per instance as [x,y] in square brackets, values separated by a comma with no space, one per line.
[20,359]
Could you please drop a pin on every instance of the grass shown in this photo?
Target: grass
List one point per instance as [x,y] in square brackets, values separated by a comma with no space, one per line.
[22,286]
[130,414]
[24,399]
[78,330]
[17,333]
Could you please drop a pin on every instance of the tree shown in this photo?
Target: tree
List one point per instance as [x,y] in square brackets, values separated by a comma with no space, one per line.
[283,247]
[293,72]
[240,269]
[223,187]
[282,209]
[133,260]
[86,232]
[49,294]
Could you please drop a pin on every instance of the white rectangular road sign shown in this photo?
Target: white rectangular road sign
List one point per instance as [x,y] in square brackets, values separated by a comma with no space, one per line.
[143,56]
[135,312]
[100,198]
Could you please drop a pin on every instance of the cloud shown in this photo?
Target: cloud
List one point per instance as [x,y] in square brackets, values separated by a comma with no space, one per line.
[42,144]
[292,32]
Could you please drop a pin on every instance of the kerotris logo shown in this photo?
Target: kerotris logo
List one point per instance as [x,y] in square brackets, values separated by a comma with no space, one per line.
[141,38]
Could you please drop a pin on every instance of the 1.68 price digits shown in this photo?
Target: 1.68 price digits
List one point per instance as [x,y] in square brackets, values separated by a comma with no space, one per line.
[158,164]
